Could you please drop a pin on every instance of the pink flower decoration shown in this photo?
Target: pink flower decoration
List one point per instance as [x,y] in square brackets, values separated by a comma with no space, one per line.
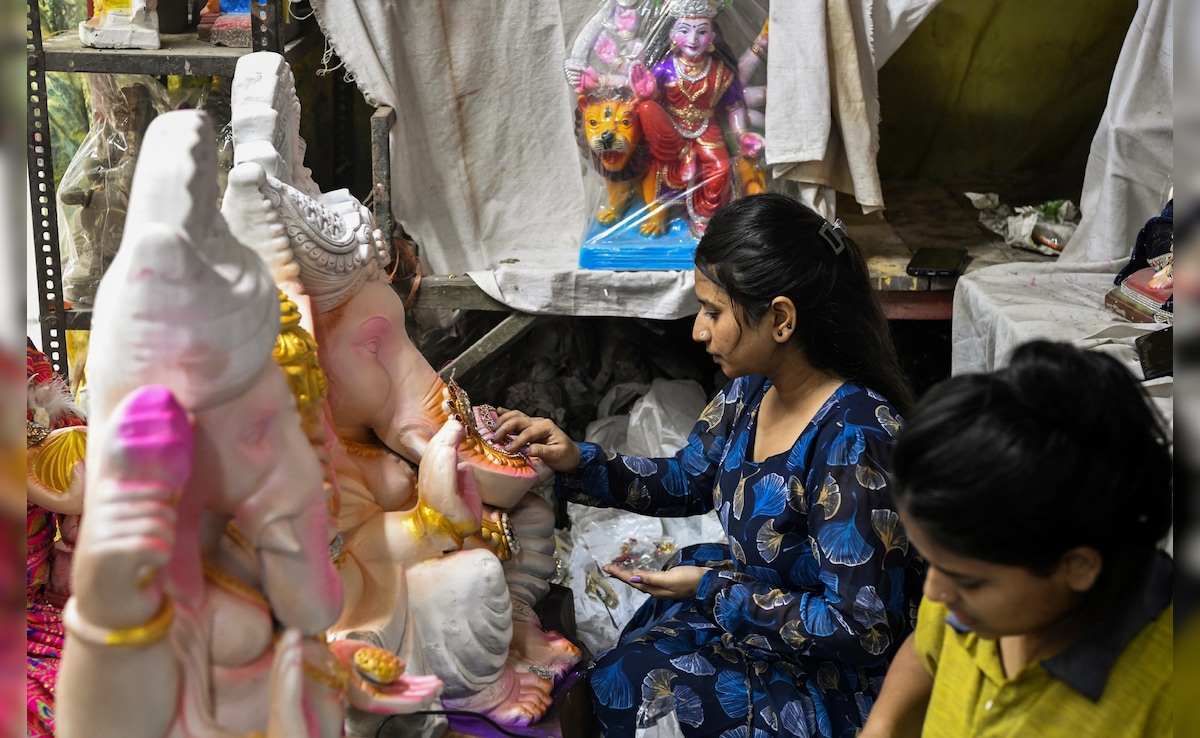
[606,49]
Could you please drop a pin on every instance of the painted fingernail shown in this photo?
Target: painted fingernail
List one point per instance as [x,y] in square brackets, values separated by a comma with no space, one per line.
[636,579]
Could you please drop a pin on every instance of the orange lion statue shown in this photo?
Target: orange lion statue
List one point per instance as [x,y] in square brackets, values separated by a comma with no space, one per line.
[608,127]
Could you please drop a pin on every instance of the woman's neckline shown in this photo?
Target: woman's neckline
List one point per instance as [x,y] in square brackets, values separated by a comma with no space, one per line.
[809,425]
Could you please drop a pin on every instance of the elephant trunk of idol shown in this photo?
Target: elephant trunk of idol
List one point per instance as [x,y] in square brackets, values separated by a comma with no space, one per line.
[303,587]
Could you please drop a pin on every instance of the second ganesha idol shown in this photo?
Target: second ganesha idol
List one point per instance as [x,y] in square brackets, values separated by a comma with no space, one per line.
[417,538]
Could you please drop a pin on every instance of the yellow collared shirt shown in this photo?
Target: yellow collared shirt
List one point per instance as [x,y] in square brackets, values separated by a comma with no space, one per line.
[972,696]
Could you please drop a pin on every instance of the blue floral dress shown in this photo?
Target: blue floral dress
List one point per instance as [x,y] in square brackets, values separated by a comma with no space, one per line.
[810,596]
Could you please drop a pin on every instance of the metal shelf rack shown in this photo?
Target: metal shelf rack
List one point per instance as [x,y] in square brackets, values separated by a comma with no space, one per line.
[181,54]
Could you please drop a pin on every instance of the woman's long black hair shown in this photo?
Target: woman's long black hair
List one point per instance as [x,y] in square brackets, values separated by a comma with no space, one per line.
[765,246]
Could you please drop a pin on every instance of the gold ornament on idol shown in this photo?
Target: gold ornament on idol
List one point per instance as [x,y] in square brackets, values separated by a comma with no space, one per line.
[296,353]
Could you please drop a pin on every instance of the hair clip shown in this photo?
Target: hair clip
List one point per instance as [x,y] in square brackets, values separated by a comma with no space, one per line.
[834,235]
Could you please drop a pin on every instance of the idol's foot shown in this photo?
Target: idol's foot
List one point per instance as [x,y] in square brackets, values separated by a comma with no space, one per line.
[518,697]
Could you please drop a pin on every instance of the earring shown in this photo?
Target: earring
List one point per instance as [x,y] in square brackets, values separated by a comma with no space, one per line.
[789,326]
[710,48]
[779,332]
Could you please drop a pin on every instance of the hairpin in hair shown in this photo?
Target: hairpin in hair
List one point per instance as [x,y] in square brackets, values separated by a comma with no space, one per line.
[834,235]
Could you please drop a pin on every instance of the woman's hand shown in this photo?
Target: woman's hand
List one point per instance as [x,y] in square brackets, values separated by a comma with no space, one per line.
[546,441]
[678,583]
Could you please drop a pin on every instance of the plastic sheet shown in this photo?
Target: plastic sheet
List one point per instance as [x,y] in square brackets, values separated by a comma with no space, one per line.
[657,425]
[1043,228]
[94,191]
[669,119]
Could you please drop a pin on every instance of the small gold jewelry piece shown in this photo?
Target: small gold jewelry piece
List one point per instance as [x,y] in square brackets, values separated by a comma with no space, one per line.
[377,665]
[296,353]
[757,49]
[146,634]
[34,433]
[220,578]
[501,537]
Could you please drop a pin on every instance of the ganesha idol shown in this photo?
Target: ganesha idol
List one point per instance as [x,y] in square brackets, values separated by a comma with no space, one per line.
[446,552]
[202,580]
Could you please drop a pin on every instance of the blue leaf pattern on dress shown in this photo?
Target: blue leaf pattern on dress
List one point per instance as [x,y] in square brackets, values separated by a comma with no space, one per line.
[692,458]
[847,447]
[822,713]
[805,571]
[792,719]
[612,688]
[763,574]
[715,450]
[830,580]
[864,704]
[781,598]
[674,481]
[868,608]
[640,466]
[688,707]
[814,611]
[731,608]
[842,544]
[770,495]
[736,456]
[735,391]
[693,663]
[731,692]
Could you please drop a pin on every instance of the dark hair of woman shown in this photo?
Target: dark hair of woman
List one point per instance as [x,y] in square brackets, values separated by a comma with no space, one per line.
[765,246]
[1058,450]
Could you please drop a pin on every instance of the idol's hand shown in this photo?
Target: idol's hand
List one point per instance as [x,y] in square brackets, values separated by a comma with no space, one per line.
[678,583]
[588,79]
[545,440]
[751,143]
[641,81]
[573,68]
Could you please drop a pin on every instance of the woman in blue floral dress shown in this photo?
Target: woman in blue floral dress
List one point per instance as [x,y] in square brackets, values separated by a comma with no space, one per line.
[786,628]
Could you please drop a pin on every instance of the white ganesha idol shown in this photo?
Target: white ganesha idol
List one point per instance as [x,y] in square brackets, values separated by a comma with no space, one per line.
[446,551]
[202,577]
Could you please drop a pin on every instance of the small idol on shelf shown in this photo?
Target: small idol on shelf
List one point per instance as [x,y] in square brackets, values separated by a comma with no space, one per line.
[121,24]
[672,122]
[226,23]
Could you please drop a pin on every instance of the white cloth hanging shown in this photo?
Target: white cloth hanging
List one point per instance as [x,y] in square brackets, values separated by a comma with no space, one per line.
[1125,184]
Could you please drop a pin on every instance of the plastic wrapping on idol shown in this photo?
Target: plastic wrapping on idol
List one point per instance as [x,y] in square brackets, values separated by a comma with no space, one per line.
[94,192]
[669,120]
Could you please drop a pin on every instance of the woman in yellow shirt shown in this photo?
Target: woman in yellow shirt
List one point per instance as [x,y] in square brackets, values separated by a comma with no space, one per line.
[1038,495]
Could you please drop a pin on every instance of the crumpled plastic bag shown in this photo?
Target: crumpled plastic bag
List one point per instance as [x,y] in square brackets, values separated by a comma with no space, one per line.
[657,426]
[657,719]
[1044,228]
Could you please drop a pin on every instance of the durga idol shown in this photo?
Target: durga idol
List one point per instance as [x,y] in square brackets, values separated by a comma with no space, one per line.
[682,96]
